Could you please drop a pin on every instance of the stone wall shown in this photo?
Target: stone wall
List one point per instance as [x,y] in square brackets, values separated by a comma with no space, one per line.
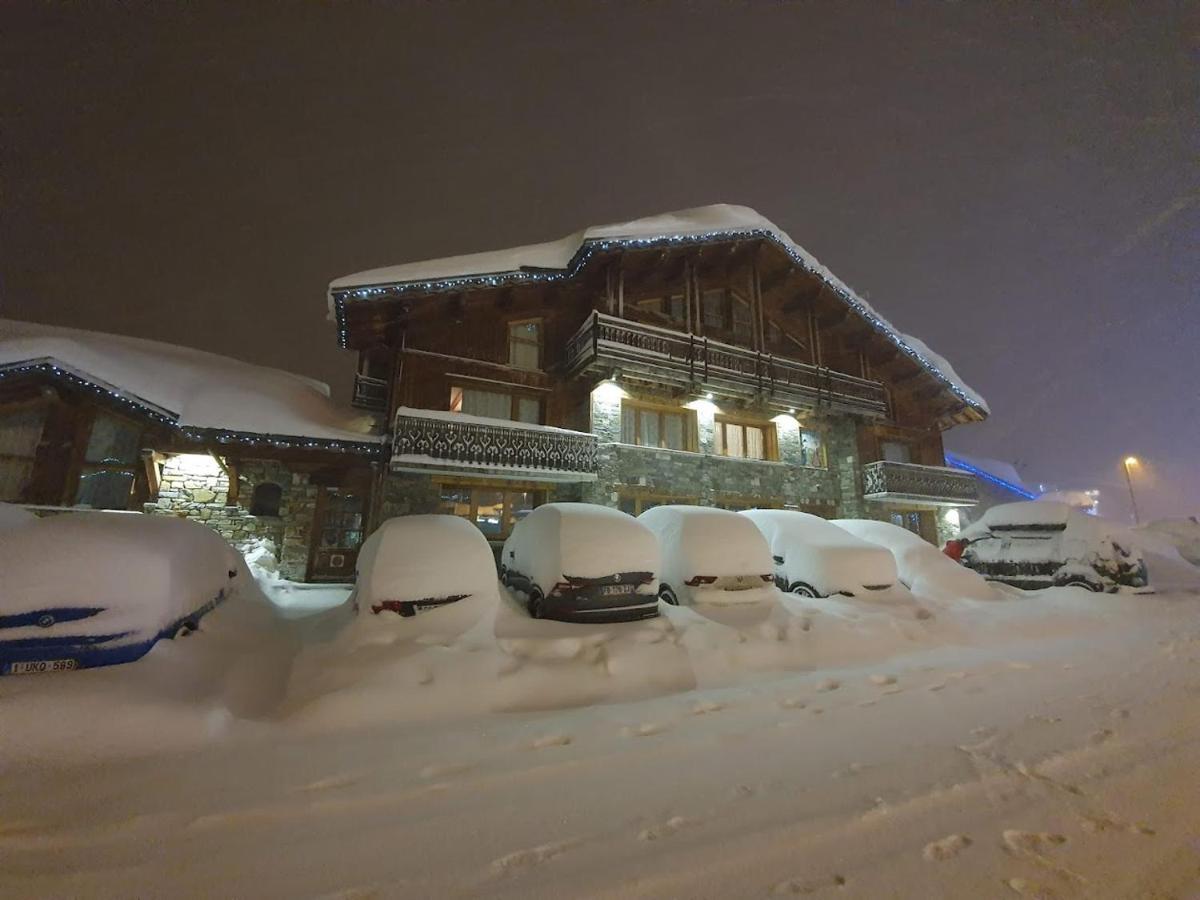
[194,486]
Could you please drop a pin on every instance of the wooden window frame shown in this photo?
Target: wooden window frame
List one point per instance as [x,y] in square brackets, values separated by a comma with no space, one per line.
[690,429]
[663,315]
[641,497]
[770,437]
[82,467]
[505,487]
[33,460]
[514,401]
[539,343]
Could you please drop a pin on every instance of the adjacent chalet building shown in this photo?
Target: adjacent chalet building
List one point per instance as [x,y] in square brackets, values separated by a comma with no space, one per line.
[115,423]
[693,357]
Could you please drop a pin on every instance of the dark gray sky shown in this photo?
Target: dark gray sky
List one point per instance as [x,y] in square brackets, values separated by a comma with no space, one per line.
[1016,184]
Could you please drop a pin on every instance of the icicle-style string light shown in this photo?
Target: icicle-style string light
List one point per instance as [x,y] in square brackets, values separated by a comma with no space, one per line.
[960,463]
[133,403]
[600,245]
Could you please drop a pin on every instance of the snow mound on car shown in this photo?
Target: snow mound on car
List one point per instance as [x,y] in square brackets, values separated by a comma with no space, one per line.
[923,568]
[145,571]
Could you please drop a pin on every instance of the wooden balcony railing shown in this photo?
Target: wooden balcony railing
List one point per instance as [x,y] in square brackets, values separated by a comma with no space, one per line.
[927,485]
[370,393]
[428,438]
[605,341]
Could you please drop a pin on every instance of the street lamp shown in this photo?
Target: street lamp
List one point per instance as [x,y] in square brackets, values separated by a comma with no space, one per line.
[1130,462]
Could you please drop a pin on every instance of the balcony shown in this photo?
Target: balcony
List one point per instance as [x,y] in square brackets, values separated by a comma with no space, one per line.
[445,442]
[915,485]
[606,342]
[370,393]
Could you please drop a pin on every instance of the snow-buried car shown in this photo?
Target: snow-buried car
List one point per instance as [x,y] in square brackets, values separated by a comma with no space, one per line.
[815,558]
[578,562]
[710,556]
[435,565]
[1041,543]
[96,589]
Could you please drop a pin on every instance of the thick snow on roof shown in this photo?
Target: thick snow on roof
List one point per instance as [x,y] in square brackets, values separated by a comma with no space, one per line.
[714,221]
[198,389]
[995,470]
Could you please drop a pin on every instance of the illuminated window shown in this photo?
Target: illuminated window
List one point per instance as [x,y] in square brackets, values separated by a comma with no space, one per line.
[653,426]
[109,463]
[496,405]
[743,440]
[493,510]
[525,344]
[20,433]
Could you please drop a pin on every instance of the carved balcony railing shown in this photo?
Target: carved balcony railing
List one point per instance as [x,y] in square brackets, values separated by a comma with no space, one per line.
[427,440]
[605,342]
[370,393]
[897,482]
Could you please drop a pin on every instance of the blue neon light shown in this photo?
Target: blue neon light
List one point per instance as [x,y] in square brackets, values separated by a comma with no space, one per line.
[953,460]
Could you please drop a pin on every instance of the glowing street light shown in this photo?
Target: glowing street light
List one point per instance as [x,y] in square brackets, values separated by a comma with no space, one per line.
[1130,463]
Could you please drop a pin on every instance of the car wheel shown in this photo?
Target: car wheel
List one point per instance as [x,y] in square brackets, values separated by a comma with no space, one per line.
[800,589]
[536,609]
[1085,583]
[667,596]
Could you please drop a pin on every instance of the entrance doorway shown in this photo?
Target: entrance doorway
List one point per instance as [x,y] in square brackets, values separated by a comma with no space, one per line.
[337,533]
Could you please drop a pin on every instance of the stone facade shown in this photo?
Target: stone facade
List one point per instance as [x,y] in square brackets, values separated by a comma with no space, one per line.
[196,486]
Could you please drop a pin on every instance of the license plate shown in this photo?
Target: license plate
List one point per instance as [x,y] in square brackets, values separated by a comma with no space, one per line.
[616,590]
[42,665]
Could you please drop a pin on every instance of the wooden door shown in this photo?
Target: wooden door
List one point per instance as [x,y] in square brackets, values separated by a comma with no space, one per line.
[337,534]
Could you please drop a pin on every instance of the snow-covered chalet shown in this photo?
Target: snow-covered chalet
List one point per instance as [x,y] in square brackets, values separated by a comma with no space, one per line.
[692,357]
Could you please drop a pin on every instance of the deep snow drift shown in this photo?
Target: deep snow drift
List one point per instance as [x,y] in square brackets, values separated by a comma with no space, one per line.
[1015,744]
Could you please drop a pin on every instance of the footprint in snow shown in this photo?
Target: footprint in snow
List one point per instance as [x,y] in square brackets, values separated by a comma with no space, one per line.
[666,829]
[442,770]
[947,848]
[829,684]
[938,686]
[1099,737]
[1119,714]
[848,772]
[792,703]
[550,740]
[706,706]
[644,730]
[1020,664]
[883,680]
[808,885]
[333,782]
[534,856]
[1031,889]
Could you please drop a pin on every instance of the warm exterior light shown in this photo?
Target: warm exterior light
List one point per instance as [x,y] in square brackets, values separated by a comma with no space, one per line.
[1131,461]
[708,396]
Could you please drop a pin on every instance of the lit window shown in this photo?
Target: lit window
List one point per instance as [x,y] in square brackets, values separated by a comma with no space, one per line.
[20,433]
[525,344]
[743,440]
[648,426]
[496,405]
[109,464]
[493,510]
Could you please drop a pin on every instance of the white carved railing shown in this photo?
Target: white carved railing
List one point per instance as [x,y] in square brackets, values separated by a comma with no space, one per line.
[510,444]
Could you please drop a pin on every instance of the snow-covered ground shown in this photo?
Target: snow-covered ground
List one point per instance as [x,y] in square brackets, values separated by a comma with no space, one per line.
[1038,745]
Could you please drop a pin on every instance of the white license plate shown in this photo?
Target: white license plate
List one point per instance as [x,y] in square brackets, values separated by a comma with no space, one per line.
[42,665]
[616,590]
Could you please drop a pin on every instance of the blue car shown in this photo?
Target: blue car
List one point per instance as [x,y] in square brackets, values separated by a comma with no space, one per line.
[97,589]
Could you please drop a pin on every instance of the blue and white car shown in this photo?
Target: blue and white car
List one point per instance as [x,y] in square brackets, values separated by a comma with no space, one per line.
[96,589]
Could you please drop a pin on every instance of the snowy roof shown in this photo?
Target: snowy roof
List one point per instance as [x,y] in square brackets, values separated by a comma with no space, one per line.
[563,258]
[184,387]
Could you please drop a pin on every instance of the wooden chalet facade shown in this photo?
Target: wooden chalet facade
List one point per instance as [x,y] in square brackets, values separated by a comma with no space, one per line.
[92,422]
[696,357]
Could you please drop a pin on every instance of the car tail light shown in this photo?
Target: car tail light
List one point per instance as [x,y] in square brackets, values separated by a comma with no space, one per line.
[700,579]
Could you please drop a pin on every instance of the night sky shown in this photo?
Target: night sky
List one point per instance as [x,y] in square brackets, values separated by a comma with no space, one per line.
[1015,184]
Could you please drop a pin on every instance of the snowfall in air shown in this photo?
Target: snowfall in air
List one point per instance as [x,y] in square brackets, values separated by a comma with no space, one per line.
[706,704]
